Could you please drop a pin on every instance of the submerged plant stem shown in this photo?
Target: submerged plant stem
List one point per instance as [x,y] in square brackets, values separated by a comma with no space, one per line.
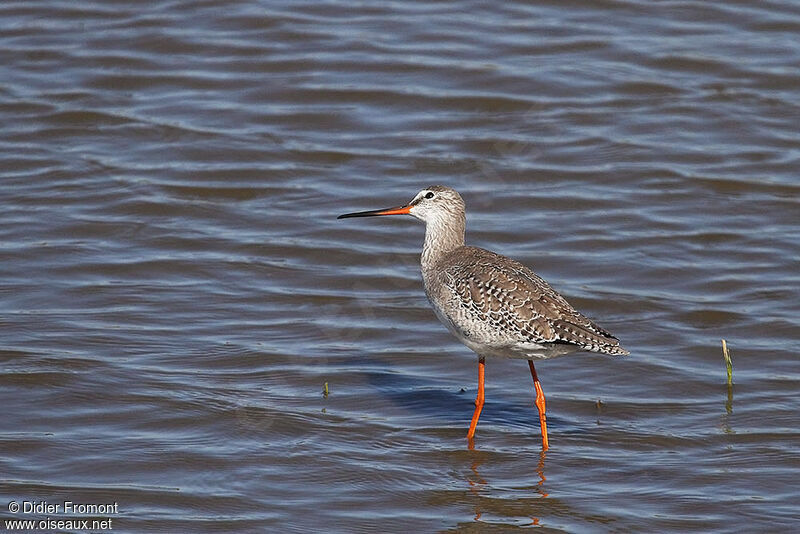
[728,362]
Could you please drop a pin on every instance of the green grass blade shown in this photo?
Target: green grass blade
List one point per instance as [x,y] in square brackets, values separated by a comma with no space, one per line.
[728,362]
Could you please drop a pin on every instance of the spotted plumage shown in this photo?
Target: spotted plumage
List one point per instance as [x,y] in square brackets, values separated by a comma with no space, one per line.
[493,304]
[497,306]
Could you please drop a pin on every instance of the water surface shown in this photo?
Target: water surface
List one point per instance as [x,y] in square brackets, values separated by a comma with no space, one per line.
[175,291]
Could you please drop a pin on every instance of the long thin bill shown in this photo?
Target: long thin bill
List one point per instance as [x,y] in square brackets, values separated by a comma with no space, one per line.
[399,210]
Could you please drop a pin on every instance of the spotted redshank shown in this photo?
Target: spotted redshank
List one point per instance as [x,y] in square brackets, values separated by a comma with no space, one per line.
[494,305]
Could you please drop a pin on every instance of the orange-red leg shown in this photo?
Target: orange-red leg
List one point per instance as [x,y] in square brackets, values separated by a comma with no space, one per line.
[539,404]
[478,401]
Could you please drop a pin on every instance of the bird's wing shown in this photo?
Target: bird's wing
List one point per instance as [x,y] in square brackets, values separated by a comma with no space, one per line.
[503,292]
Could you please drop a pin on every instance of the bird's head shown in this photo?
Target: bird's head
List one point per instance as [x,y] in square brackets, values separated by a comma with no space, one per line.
[436,204]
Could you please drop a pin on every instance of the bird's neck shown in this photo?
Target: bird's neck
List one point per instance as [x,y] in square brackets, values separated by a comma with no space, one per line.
[441,236]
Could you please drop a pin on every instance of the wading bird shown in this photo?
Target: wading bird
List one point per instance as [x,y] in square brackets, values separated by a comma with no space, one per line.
[494,305]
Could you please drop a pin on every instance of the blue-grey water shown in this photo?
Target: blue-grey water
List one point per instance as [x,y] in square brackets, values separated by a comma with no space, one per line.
[175,291]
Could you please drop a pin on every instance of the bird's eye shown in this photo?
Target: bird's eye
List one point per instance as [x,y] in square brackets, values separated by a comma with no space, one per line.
[429,195]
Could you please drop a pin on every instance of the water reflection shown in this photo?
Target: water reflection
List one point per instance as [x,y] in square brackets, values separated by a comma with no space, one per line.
[726,418]
[477,482]
[540,471]
[729,402]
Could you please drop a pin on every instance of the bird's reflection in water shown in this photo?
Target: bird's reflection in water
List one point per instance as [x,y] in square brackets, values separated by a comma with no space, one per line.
[477,482]
[540,471]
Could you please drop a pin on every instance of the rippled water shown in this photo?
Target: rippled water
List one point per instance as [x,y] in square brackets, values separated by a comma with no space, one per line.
[176,291]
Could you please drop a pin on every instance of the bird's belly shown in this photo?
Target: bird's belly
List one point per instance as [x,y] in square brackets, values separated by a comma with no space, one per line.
[486,340]
[527,351]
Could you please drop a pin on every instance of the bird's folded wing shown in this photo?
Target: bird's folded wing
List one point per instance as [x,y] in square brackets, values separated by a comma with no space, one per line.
[492,289]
